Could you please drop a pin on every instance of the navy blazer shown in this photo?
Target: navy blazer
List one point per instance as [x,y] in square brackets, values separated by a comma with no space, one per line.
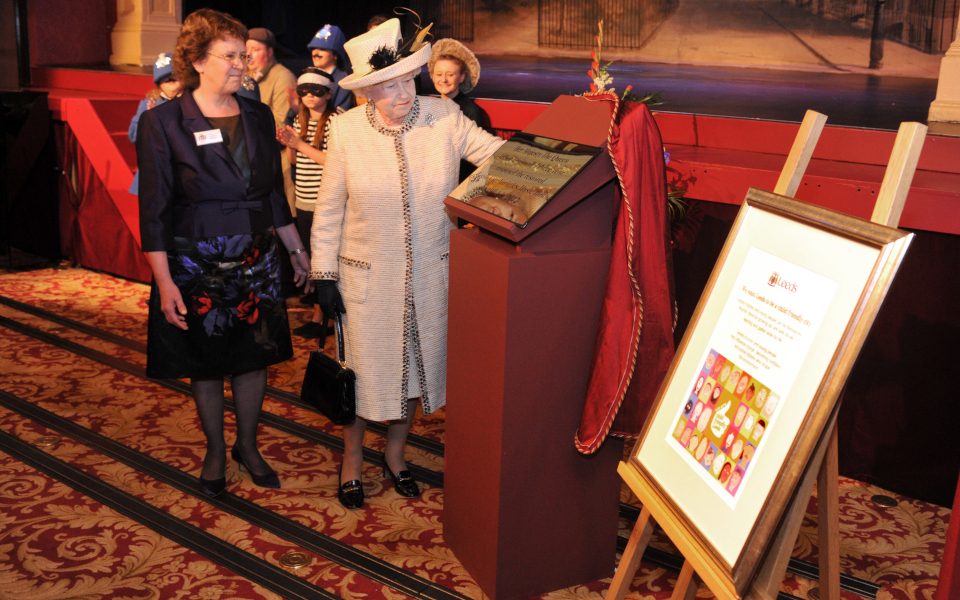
[193,191]
[341,99]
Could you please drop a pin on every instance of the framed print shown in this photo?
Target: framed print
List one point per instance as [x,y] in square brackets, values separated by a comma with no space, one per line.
[757,376]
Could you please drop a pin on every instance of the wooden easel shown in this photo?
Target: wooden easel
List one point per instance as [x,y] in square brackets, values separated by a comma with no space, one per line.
[886,211]
[823,466]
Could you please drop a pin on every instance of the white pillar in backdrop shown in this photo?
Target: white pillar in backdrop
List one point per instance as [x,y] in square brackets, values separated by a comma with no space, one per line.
[946,106]
[144,29]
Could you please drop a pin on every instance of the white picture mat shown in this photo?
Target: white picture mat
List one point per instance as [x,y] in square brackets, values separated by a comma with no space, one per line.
[797,245]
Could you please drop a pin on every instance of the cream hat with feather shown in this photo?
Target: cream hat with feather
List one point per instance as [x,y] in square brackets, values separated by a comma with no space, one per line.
[379,55]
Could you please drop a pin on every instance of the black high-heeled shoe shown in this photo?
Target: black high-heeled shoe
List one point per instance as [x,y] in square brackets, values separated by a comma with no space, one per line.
[403,482]
[267,480]
[350,493]
[213,487]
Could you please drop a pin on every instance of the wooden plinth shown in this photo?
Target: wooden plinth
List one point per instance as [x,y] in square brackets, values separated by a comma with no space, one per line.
[523,511]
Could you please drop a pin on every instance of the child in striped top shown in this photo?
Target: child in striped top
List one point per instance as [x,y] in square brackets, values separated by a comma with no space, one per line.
[306,142]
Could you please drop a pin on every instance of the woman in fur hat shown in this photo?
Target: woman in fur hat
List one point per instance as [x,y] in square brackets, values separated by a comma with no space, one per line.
[455,71]
[380,240]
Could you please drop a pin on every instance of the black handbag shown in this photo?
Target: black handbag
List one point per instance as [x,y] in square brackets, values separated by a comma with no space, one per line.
[329,385]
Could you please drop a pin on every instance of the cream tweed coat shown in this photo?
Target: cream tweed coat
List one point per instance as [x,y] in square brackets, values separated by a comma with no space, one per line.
[380,229]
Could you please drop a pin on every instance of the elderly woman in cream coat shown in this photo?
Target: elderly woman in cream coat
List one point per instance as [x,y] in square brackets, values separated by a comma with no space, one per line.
[380,242]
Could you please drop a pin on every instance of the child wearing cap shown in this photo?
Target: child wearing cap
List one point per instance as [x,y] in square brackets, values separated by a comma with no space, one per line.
[326,52]
[167,88]
[306,144]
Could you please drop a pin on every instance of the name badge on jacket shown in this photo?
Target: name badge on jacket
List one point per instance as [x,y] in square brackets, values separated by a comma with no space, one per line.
[210,136]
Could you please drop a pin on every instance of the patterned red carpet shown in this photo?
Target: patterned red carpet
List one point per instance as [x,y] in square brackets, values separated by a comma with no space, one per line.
[95,478]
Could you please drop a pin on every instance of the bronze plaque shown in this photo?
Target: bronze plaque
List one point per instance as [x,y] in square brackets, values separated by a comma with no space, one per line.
[523,175]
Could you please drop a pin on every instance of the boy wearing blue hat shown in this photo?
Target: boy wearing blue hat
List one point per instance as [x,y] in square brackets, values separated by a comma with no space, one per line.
[167,88]
[326,51]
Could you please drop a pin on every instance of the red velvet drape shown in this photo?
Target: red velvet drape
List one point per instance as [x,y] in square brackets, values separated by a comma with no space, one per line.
[635,341]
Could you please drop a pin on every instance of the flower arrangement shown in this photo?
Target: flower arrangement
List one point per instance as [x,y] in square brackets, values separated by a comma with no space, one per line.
[600,79]
[600,76]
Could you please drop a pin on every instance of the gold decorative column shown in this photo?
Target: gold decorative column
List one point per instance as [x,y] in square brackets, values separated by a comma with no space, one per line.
[144,29]
[946,106]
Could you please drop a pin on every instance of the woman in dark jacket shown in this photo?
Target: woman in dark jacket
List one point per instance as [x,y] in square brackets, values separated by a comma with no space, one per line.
[211,210]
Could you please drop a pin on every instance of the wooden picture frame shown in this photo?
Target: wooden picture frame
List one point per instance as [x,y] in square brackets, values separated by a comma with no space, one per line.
[788,306]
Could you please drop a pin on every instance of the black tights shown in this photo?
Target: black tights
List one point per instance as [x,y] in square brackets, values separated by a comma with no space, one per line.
[248,389]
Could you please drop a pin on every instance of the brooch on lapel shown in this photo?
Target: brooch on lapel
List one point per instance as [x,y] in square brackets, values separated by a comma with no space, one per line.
[428,120]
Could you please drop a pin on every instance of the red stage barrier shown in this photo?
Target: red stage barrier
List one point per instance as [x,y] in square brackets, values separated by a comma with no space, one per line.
[715,158]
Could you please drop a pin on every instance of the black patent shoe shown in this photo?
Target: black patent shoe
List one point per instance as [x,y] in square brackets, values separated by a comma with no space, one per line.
[403,482]
[311,330]
[213,487]
[267,480]
[350,493]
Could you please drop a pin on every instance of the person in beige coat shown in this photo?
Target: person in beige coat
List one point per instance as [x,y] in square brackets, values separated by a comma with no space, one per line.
[380,240]
[276,84]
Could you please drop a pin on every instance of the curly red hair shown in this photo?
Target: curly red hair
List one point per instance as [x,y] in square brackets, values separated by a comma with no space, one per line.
[201,28]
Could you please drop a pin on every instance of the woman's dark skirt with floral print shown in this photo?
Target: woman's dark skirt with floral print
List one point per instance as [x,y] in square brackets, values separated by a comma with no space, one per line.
[236,318]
